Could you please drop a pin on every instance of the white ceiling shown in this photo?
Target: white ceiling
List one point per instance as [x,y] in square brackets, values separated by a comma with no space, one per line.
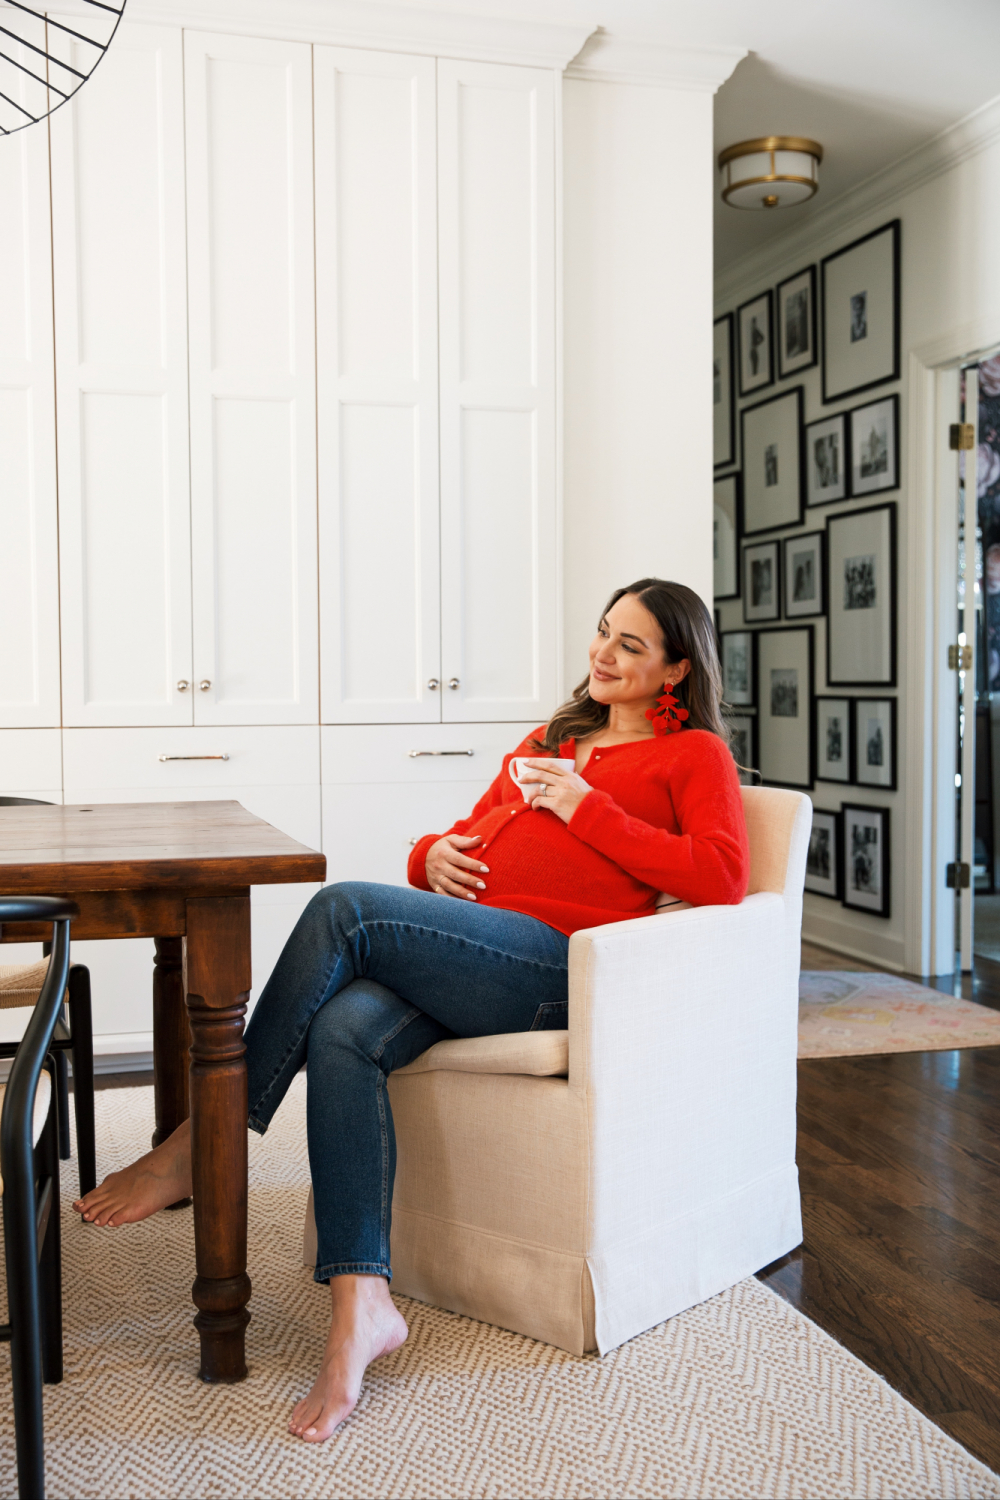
[868,79]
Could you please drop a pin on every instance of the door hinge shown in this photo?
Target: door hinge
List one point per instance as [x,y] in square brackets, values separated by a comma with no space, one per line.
[960,658]
[960,435]
[958,877]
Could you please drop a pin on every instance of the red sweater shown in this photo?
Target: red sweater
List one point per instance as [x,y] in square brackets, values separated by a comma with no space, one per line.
[665,815]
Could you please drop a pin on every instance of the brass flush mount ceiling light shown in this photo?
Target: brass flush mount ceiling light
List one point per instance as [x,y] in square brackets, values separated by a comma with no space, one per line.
[774,171]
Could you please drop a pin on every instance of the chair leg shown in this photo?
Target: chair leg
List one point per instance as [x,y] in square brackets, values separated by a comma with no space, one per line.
[81,1029]
[62,1112]
[50,1261]
[25,1340]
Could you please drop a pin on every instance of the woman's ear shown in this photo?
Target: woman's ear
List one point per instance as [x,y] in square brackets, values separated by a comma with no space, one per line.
[677,671]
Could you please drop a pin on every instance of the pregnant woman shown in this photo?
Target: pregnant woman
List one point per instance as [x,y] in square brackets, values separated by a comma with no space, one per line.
[637,793]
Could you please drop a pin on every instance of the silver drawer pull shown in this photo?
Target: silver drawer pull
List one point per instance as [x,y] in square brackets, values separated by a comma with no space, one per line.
[414,753]
[192,757]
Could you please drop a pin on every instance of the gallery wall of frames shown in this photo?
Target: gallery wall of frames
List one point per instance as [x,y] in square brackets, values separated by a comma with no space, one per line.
[793,578]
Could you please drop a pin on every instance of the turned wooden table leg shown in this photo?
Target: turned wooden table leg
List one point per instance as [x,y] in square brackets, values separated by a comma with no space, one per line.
[171,1038]
[217,983]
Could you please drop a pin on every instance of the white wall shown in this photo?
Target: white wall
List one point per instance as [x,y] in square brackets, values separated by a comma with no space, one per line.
[638,185]
[948,198]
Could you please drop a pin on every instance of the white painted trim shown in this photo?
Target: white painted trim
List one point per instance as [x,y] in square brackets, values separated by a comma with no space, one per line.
[844,937]
[560,436]
[967,137]
[608,57]
[380,27]
[115,1052]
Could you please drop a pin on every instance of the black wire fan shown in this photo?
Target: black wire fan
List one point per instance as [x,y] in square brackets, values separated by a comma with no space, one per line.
[44,61]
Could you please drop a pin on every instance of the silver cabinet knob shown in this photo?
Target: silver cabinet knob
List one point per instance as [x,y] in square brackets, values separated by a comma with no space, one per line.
[433,684]
[183,685]
[204,684]
[453,683]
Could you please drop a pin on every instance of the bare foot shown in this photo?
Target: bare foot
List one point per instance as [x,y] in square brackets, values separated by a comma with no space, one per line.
[365,1325]
[156,1180]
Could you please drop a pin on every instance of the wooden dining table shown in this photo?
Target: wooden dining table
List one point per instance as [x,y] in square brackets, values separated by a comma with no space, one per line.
[180,873]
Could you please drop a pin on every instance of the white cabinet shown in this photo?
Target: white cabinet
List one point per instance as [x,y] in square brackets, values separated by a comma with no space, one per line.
[253,408]
[376,310]
[496,184]
[29,562]
[121,346]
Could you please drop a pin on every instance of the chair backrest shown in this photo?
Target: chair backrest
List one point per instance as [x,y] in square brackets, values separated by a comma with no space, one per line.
[24,802]
[778,824]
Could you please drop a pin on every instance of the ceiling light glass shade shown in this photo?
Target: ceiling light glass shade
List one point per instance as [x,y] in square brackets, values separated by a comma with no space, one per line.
[774,171]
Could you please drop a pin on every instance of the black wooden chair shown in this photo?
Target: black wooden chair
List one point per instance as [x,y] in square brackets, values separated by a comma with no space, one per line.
[20,986]
[29,1166]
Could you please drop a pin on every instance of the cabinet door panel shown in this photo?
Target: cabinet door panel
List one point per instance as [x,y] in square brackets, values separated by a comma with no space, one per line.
[368,831]
[29,563]
[377,364]
[496,144]
[121,355]
[253,439]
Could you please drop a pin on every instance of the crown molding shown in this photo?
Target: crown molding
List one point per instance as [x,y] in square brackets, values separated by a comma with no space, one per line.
[609,57]
[379,27]
[876,194]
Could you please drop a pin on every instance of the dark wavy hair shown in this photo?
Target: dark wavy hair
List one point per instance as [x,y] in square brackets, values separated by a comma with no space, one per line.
[687,631]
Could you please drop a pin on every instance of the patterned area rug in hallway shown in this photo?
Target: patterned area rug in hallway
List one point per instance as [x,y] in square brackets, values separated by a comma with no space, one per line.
[845,1013]
[741,1396]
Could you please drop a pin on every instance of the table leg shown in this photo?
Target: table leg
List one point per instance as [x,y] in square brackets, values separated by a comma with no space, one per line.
[171,1038]
[217,983]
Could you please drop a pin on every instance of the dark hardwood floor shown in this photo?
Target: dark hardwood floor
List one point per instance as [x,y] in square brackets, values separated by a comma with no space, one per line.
[899,1159]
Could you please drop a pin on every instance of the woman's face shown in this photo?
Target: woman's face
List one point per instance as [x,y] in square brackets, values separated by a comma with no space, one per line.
[627,660]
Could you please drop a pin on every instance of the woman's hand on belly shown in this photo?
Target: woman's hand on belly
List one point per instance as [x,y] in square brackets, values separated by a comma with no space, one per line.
[564,789]
[452,873]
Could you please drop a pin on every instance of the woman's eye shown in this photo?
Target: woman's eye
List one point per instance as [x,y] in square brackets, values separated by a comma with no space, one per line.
[630,649]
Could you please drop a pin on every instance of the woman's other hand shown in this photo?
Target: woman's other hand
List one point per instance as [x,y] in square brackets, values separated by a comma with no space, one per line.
[452,873]
[565,790]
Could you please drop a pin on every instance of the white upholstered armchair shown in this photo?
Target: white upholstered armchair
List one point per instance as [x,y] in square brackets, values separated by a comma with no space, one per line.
[580,1186]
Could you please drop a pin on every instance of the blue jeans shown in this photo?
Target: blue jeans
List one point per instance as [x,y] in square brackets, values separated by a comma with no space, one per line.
[371,977]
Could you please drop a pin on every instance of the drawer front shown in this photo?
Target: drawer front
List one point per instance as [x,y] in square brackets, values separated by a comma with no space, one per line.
[31,764]
[181,758]
[417,755]
[368,835]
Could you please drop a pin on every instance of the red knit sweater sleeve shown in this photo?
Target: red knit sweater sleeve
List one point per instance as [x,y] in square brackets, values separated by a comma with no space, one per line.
[416,872]
[708,862]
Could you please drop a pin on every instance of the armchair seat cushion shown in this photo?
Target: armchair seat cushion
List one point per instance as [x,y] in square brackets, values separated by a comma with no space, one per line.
[543,1054]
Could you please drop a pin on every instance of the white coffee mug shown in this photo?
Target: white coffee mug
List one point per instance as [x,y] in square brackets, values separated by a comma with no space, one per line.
[526,776]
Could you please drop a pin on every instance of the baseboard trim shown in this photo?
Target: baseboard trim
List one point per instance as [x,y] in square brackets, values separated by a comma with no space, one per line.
[885,950]
[123,1052]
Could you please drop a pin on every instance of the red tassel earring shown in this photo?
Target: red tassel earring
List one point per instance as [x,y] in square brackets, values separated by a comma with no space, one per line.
[667,718]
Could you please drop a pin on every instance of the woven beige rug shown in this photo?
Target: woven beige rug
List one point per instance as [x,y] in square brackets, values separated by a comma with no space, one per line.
[739,1397]
[850,1014]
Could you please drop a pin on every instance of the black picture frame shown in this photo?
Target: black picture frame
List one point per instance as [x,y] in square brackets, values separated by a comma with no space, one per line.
[785,689]
[748,319]
[832,886]
[724,391]
[826,458]
[761,590]
[864,867]
[796,588]
[743,751]
[847,371]
[802,328]
[887,421]
[766,428]
[825,768]
[727,533]
[883,778]
[734,645]
[871,642]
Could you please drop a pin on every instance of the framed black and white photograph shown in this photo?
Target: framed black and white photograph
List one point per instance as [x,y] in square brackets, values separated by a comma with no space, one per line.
[771,443]
[866,858]
[755,323]
[875,743]
[861,598]
[761,582]
[726,537]
[739,678]
[824,864]
[797,323]
[723,392]
[784,711]
[834,740]
[875,446]
[827,462]
[804,575]
[743,743]
[860,314]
